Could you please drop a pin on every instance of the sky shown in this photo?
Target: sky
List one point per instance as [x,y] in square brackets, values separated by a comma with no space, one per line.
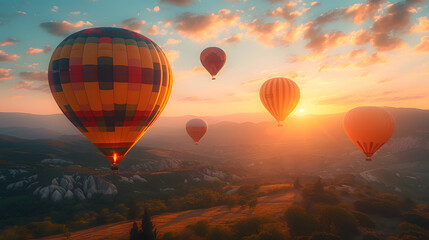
[342,54]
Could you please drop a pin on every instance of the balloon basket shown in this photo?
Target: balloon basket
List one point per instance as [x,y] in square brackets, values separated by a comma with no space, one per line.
[368,159]
[213,78]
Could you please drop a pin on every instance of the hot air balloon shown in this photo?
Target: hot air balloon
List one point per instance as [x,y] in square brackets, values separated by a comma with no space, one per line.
[112,84]
[369,128]
[213,59]
[196,129]
[280,97]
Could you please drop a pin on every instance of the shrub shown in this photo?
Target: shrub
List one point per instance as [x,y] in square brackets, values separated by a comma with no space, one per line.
[324,236]
[201,228]
[250,225]
[45,228]
[220,232]
[364,220]
[299,222]
[339,221]
[378,206]
[370,236]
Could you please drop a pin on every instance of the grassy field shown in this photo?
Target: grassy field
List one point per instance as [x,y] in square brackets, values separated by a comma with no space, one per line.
[170,222]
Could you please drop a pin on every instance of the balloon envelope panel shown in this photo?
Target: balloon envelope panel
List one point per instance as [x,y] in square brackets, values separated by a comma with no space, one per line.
[112,84]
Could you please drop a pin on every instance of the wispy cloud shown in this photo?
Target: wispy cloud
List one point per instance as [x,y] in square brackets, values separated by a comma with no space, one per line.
[34,51]
[6,57]
[5,74]
[63,28]
[133,24]
[9,41]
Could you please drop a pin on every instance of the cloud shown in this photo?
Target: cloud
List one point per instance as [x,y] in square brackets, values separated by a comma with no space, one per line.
[385,80]
[293,34]
[423,46]
[396,21]
[5,74]
[232,39]
[357,53]
[288,12]
[54,9]
[199,28]
[275,1]
[62,28]
[292,75]
[28,65]
[75,13]
[34,51]
[28,85]
[361,37]
[423,25]
[172,41]
[264,33]
[9,41]
[196,99]
[198,69]
[153,30]
[133,24]
[34,76]
[374,58]
[372,98]
[6,57]
[20,13]
[172,55]
[315,4]
[180,3]
[156,9]
[320,42]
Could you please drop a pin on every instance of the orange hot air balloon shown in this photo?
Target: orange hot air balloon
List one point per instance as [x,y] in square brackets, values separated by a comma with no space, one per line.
[112,84]
[369,128]
[196,129]
[213,59]
[280,97]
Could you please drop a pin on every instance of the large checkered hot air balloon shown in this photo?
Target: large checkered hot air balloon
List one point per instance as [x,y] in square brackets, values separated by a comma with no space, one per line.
[112,84]
[213,59]
[280,97]
[369,128]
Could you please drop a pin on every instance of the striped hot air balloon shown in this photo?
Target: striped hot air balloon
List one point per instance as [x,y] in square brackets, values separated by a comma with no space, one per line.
[213,59]
[369,128]
[280,97]
[196,129]
[112,84]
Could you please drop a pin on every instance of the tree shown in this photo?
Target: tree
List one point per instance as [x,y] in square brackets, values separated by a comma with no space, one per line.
[148,232]
[297,184]
[134,233]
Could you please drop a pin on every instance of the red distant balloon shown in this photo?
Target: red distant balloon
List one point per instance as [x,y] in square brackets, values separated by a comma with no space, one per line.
[369,128]
[213,59]
[196,129]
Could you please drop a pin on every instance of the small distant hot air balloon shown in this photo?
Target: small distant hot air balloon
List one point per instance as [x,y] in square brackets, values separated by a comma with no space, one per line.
[213,59]
[280,97]
[112,84]
[196,129]
[369,128]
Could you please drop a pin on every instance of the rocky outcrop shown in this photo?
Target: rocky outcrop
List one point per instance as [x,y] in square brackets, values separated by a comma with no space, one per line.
[158,165]
[77,186]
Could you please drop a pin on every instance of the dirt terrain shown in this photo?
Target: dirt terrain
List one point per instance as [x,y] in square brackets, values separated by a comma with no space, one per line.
[169,222]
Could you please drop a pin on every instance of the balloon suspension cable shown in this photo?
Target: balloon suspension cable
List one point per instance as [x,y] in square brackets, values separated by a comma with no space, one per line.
[280,124]
[368,159]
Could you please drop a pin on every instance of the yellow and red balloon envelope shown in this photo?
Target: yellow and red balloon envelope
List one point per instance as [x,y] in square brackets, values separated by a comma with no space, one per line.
[112,84]
[213,59]
[369,128]
[196,129]
[280,97]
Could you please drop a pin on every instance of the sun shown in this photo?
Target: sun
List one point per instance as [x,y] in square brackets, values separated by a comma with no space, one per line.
[301,110]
